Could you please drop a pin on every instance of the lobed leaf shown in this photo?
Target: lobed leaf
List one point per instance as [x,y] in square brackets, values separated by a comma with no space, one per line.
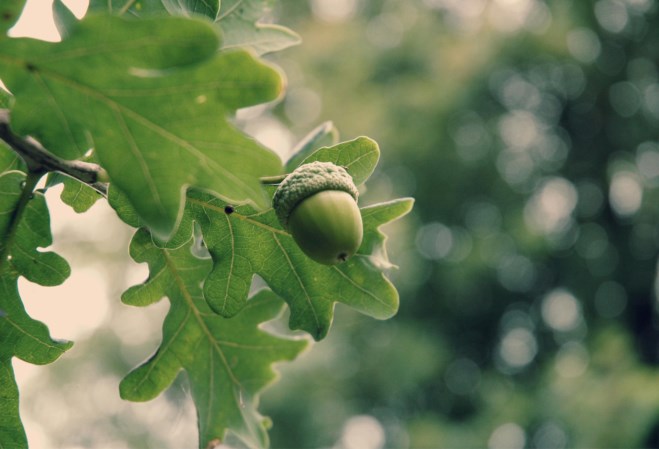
[228,361]
[42,267]
[359,157]
[247,242]
[27,339]
[324,135]
[6,99]
[21,336]
[10,193]
[207,8]
[137,8]
[243,241]
[76,194]
[239,19]
[155,98]
[261,38]
[10,11]
[9,160]
[64,18]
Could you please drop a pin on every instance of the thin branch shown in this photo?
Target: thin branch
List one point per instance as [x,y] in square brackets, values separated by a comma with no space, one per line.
[26,194]
[39,160]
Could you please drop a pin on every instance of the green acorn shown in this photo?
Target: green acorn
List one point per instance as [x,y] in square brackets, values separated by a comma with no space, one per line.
[317,204]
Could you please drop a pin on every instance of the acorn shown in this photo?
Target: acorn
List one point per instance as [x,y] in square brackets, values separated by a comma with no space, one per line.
[317,204]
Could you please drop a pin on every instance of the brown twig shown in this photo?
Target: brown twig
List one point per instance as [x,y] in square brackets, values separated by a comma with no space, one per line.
[40,160]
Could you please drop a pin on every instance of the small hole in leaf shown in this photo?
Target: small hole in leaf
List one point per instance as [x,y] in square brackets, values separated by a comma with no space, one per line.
[229,210]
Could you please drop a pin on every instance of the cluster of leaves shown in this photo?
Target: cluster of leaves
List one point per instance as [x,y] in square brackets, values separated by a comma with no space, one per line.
[146,89]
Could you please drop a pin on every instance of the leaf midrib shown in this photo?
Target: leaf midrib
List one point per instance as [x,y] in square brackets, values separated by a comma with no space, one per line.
[200,321]
[206,164]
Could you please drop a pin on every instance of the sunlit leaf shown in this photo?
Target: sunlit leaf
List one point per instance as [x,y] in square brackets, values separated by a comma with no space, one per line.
[6,99]
[76,194]
[20,335]
[239,19]
[243,241]
[324,135]
[207,8]
[64,18]
[248,242]
[152,97]
[33,232]
[10,10]
[10,193]
[133,8]
[228,361]
[359,157]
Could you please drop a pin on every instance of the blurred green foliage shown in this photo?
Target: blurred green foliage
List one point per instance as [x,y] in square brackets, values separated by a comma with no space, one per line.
[527,132]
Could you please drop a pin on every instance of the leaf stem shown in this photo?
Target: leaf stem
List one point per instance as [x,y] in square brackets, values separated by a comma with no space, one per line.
[271,180]
[126,7]
[26,194]
[39,160]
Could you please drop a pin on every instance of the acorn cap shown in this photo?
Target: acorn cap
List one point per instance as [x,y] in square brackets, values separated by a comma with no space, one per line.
[307,180]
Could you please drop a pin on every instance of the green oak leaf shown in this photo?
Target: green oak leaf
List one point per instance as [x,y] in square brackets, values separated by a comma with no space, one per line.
[21,336]
[324,135]
[247,242]
[10,11]
[156,98]
[262,38]
[137,8]
[243,241]
[10,194]
[64,18]
[207,8]
[239,21]
[30,341]
[252,10]
[76,194]
[10,160]
[41,267]
[359,157]
[6,99]
[228,361]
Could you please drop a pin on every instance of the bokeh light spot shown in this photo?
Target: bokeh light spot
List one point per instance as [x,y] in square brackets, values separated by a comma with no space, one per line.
[362,432]
[434,241]
[334,10]
[561,310]
[572,360]
[507,436]
[625,193]
[518,347]
[612,15]
[584,45]
[549,209]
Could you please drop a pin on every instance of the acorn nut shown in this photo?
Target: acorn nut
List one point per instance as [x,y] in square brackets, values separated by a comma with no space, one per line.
[317,204]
